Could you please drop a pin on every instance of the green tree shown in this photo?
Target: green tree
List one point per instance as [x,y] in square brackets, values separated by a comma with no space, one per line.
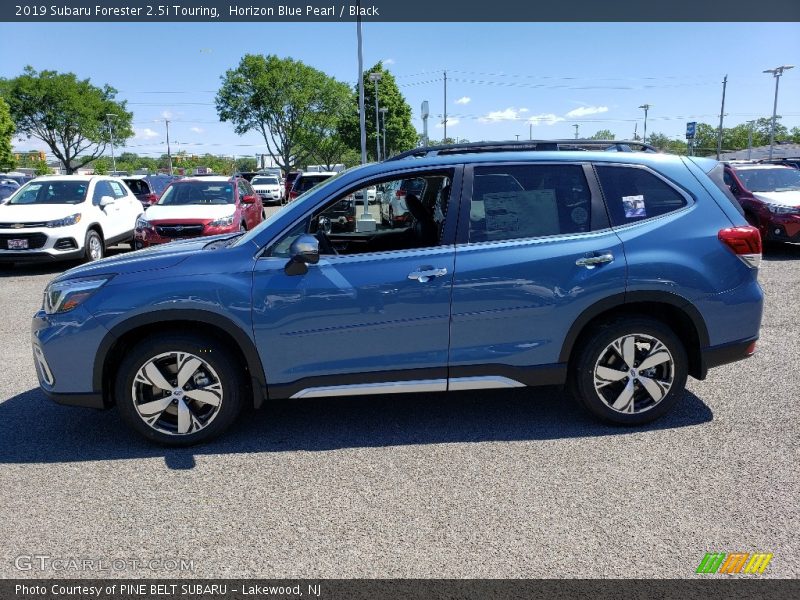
[400,132]
[292,105]
[666,144]
[603,134]
[67,114]
[7,161]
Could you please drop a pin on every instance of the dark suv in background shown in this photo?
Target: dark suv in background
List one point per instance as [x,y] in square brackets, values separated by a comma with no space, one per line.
[148,188]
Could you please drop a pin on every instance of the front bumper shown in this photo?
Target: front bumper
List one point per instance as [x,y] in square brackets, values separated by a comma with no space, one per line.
[781,228]
[44,244]
[64,349]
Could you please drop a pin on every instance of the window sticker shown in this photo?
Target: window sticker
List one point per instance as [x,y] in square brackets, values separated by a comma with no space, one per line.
[528,213]
[634,206]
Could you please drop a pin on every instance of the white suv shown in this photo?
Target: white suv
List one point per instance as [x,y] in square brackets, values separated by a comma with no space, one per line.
[66,217]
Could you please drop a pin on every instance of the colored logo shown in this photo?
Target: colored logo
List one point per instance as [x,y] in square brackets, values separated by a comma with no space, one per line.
[735,562]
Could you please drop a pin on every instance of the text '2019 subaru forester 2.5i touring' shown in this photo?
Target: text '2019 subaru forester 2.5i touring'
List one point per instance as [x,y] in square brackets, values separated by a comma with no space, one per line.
[618,274]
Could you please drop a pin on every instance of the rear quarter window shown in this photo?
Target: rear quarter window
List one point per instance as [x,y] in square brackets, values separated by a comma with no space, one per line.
[634,194]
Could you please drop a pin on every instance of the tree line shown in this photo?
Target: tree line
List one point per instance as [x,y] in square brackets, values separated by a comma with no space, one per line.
[303,115]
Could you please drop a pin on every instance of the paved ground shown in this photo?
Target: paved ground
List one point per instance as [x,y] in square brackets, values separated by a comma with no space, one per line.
[489,484]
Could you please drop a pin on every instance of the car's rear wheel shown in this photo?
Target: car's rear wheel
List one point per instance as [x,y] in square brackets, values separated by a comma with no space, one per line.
[179,390]
[629,371]
[93,248]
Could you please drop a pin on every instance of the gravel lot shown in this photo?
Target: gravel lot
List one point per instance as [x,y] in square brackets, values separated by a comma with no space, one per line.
[481,484]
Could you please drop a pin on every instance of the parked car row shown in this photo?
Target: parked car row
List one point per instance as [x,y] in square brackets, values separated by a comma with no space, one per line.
[68,217]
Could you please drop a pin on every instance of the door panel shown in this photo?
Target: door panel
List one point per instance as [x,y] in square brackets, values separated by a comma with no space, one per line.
[353,320]
[535,252]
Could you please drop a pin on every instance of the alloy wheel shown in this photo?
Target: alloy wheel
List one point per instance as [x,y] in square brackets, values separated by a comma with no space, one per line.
[634,373]
[177,393]
[95,248]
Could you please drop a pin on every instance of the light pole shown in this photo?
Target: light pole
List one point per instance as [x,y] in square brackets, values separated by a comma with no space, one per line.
[383,112]
[776,72]
[750,139]
[375,78]
[646,107]
[169,153]
[109,116]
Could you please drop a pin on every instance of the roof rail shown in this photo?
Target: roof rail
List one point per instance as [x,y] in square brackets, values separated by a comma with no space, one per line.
[526,146]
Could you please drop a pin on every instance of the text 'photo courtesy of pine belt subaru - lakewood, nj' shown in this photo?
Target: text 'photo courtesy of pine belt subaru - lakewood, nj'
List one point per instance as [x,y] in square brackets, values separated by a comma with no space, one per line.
[618,274]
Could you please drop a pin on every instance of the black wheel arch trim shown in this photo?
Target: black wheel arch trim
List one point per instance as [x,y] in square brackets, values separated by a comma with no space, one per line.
[258,381]
[617,300]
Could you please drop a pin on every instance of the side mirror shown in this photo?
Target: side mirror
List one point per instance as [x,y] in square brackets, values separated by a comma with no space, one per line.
[304,251]
[248,199]
[105,201]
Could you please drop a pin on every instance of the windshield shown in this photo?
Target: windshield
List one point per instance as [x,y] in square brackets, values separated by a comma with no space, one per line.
[51,192]
[770,180]
[265,181]
[198,192]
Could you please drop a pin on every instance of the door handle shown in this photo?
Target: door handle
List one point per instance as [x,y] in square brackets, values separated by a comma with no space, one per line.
[590,262]
[425,274]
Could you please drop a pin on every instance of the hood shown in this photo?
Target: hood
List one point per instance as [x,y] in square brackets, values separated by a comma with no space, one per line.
[162,256]
[36,213]
[189,212]
[791,198]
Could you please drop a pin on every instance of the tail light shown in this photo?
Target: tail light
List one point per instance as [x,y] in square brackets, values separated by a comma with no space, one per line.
[151,198]
[744,242]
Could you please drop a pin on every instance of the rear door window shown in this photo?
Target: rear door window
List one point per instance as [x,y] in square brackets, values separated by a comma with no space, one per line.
[633,194]
[525,201]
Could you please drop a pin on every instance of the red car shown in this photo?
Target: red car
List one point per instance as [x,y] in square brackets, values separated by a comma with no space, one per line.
[199,207]
[770,197]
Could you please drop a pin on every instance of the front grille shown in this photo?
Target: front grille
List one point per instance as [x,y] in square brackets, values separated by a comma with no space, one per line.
[179,231]
[66,244]
[24,225]
[35,240]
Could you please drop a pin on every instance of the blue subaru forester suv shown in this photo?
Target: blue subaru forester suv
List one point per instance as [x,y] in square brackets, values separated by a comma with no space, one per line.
[503,265]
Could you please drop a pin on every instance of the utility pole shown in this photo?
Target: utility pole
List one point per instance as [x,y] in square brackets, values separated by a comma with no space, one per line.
[530,131]
[361,115]
[425,111]
[517,137]
[384,110]
[750,139]
[646,107]
[109,116]
[376,77]
[445,105]
[776,72]
[576,130]
[169,154]
[721,115]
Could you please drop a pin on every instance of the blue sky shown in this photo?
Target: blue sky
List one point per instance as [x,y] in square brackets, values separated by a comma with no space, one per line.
[502,77]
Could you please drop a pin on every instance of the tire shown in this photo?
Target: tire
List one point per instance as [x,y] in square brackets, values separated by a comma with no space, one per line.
[168,418]
[615,392]
[93,247]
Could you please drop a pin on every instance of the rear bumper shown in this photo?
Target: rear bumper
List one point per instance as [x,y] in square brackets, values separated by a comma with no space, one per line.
[715,356]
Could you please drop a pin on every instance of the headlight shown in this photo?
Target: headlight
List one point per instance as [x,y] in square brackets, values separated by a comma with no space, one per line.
[223,222]
[778,209]
[142,223]
[66,221]
[63,296]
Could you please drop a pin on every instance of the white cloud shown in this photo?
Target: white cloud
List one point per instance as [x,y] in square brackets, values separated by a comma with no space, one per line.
[450,123]
[388,61]
[145,134]
[509,114]
[583,111]
[166,114]
[197,129]
[464,100]
[545,119]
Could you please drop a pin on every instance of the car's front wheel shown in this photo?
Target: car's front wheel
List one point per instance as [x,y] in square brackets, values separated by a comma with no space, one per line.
[179,390]
[629,371]
[93,248]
